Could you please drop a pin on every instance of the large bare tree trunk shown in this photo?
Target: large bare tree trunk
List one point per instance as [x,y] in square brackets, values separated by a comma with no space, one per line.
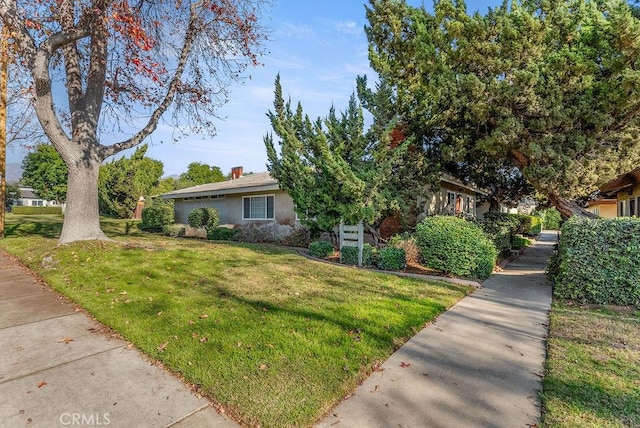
[81,215]
[568,208]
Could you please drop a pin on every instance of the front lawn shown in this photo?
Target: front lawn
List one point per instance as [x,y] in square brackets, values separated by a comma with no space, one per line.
[593,367]
[275,338]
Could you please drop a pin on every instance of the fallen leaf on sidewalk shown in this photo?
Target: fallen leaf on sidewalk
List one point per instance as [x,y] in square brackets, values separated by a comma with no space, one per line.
[405,365]
[41,384]
[66,340]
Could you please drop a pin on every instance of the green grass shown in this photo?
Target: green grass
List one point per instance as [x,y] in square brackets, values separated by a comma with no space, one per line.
[275,338]
[593,368]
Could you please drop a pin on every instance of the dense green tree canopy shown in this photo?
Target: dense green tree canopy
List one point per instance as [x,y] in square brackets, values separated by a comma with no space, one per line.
[549,87]
[45,171]
[201,173]
[329,167]
[122,182]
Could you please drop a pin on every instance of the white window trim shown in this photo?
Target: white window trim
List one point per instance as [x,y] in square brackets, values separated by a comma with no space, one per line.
[265,207]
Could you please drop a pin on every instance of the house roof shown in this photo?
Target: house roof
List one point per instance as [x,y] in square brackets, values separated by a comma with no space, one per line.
[621,182]
[260,181]
[28,193]
[452,180]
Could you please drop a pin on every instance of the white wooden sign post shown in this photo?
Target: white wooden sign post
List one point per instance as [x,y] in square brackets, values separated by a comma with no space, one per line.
[352,236]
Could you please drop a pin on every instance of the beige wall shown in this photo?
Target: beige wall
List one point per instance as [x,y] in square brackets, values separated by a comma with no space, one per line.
[625,197]
[230,208]
[604,210]
[436,203]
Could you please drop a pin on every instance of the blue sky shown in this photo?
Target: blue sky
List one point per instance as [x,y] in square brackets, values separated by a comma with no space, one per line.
[318,47]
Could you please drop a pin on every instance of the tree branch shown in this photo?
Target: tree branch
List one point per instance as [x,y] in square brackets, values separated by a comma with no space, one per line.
[152,124]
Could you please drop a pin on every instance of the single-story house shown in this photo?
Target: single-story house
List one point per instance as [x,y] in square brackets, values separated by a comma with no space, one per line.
[603,207]
[626,190]
[245,199]
[29,198]
[453,198]
[256,199]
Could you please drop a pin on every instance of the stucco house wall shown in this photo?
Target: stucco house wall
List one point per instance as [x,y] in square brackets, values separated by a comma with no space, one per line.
[626,189]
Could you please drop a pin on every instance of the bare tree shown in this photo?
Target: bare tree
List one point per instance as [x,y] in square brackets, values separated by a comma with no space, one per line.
[126,65]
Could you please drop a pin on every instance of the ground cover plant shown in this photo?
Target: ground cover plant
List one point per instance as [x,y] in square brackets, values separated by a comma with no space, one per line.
[592,374]
[276,338]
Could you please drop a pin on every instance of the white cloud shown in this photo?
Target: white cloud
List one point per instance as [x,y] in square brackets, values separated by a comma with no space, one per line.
[349,27]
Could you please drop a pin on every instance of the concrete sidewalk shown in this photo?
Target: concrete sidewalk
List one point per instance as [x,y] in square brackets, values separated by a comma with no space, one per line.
[93,379]
[479,365]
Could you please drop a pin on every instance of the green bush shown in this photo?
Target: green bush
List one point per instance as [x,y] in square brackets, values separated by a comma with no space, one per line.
[174,230]
[407,243]
[390,258]
[502,229]
[598,261]
[159,214]
[536,226]
[221,234]
[519,243]
[36,210]
[455,246]
[551,219]
[320,249]
[349,255]
[204,217]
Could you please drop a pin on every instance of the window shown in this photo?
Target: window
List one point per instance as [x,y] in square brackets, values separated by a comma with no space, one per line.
[621,212]
[470,205]
[632,207]
[258,207]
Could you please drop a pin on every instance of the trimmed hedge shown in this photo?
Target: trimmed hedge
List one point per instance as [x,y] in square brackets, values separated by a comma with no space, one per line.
[159,214]
[551,219]
[320,249]
[36,210]
[390,258]
[455,246]
[536,226]
[598,261]
[221,234]
[349,255]
[204,217]
[174,230]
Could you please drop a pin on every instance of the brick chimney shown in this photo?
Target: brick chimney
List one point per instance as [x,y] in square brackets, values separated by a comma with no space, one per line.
[236,172]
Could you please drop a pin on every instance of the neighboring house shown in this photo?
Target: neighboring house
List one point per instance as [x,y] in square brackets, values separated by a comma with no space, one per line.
[245,199]
[28,198]
[626,190]
[453,198]
[603,207]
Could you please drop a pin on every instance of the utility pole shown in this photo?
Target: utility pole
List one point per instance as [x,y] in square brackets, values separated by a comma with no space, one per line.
[4,65]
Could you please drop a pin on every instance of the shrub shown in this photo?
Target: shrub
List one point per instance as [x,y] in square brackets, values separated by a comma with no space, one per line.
[349,255]
[320,249]
[598,261]
[36,210]
[519,243]
[159,214]
[502,229]
[536,226]
[407,243]
[551,219]
[455,246]
[390,258]
[221,234]
[204,217]
[174,230]
[300,236]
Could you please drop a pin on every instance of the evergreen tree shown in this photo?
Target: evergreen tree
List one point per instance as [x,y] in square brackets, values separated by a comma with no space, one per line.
[329,167]
[550,88]
[122,182]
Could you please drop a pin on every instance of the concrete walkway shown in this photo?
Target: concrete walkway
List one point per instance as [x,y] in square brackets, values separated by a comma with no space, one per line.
[479,365]
[58,367]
